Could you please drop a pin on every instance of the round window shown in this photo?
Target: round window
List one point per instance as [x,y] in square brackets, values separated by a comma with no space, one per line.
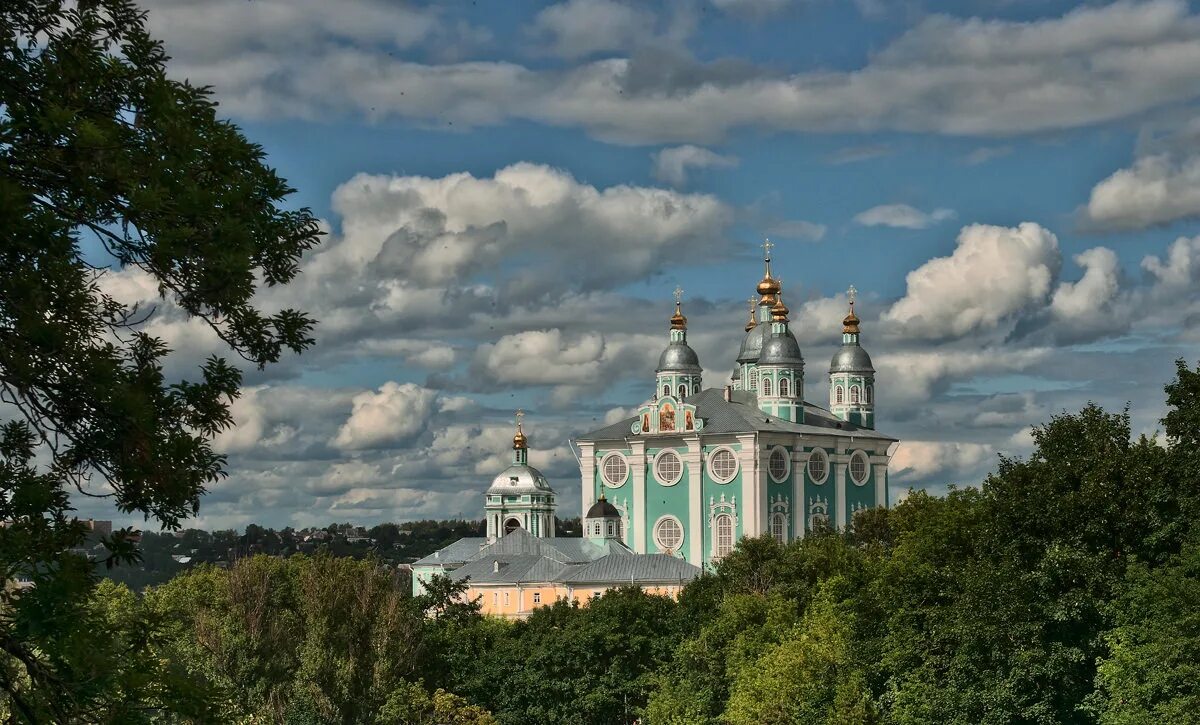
[722,465]
[668,467]
[668,533]
[778,464]
[858,468]
[818,466]
[614,469]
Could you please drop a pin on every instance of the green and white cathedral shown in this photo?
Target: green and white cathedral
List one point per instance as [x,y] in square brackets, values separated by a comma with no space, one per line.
[696,469]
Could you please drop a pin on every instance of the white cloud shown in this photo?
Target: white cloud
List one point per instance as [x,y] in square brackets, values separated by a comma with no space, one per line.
[948,462]
[579,28]
[1089,301]
[1181,268]
[946,75]
[671,164]
[994,274]
[1155,190]
[388,417]
[755,9]
[901,216]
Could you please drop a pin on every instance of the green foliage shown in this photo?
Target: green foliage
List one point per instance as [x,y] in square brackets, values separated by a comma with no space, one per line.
[105,161]
[1152,671]
[306,639]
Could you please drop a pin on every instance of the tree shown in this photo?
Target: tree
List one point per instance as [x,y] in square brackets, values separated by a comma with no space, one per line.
[106,162]
[1152,672]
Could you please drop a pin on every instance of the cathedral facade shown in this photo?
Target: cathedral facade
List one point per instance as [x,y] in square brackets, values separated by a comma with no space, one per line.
[696,469]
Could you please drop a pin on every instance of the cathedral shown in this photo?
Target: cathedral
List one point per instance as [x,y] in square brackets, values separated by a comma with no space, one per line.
[696,469]
[671,489]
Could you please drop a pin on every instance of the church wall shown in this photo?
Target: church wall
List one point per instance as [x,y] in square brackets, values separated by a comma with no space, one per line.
[779,495]
[712,490]
[821,493]
[664,500]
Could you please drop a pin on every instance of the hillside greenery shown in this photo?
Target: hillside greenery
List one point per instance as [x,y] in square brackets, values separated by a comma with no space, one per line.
[1065,589]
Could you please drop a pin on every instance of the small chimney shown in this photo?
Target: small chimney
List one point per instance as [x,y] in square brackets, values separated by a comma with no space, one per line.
[728,393]
[496,566]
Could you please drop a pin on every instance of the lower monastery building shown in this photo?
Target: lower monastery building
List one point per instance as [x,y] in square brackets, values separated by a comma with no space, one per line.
[671,489]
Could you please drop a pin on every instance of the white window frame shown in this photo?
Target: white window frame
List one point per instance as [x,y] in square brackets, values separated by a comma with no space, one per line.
[785,388]
[819,453]
[787,459]
[766,385]
[754,378]
[716,534]
[779,520]
[839,394]
[870,394]
[604,473]
[866,462]
[658,542]
[737,465]
[661,454]
[682,390]
[537,597]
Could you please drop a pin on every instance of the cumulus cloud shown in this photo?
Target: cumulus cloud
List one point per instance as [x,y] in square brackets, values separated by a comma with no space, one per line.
[945,75]
[901,216]
[1155,190]
[672,164]
[994,274]
[389,416]
[1181,267]
[1090,301]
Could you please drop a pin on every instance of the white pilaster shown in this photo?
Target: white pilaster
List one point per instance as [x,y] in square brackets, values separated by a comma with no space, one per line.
[637,465]
[695,518]
[748,458]
[840,482]
[881,485]
[799,465]
[587,475]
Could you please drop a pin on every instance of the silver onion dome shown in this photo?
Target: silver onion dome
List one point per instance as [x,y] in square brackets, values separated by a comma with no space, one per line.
[519,478]
[851,359]
[680,358]
[752,343]
[781,350]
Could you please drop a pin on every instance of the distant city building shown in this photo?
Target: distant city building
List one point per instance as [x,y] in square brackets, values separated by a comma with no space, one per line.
[520,565]
[99,528]
[695,469]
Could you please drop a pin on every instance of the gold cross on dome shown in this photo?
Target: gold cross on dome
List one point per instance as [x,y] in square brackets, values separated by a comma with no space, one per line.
[752,300]
[852,294]
[678,294]
[767,246]
[520,416]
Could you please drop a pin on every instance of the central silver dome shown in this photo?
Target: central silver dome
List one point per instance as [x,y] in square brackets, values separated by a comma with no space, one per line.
[678,357]
[781,350]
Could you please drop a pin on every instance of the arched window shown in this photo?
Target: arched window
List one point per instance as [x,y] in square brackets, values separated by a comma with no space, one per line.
[784,388]
[666,391]
[838,395]
[870,393]
[695,388]
[779,527]
[853,393]
[754,378]
[723,534]
[511,525]
[682,391]
[766,385]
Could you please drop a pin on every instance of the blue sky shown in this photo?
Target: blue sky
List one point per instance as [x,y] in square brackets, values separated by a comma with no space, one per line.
[513,190]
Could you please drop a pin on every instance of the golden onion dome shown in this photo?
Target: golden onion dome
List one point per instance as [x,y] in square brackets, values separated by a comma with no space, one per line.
[850,321]
[678,321]
[520,442]
[779,312]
